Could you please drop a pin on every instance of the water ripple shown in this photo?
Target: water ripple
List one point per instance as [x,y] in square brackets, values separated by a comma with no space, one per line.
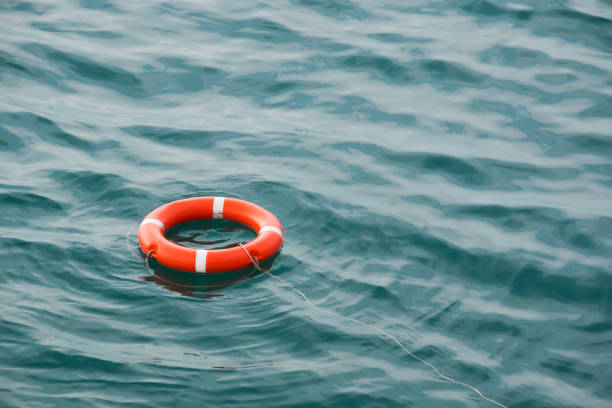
[442,172]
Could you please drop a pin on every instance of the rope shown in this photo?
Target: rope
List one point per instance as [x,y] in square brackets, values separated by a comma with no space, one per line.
[127,239]
[384,333]
[148,258]
[127,243]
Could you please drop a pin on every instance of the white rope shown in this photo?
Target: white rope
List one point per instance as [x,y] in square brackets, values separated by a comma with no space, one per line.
[127,239]
[147,259]
[381,331]
[134,252]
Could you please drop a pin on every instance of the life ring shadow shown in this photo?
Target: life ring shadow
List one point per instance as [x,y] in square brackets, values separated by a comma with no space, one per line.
[201,285]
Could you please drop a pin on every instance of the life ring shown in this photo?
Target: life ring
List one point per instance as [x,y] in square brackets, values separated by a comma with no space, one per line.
[153,242]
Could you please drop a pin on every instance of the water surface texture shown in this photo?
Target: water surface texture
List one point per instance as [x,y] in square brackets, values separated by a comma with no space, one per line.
[443,172]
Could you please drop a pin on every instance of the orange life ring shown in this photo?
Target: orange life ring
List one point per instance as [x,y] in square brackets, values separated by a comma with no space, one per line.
[152,240]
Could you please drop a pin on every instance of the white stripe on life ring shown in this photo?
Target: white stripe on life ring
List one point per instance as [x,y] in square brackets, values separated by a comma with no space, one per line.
[200,261]
[271,228]
[153,221]
[217,212]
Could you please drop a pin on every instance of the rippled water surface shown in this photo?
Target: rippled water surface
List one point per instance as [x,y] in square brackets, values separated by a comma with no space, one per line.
[443,172]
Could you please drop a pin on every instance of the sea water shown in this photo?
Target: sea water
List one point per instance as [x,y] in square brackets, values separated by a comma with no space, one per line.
[442,170]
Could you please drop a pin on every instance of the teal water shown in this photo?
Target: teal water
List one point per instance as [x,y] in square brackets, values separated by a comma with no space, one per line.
[443,172]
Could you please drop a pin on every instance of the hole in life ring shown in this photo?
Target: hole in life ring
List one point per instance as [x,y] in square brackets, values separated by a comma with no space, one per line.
[210,234]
